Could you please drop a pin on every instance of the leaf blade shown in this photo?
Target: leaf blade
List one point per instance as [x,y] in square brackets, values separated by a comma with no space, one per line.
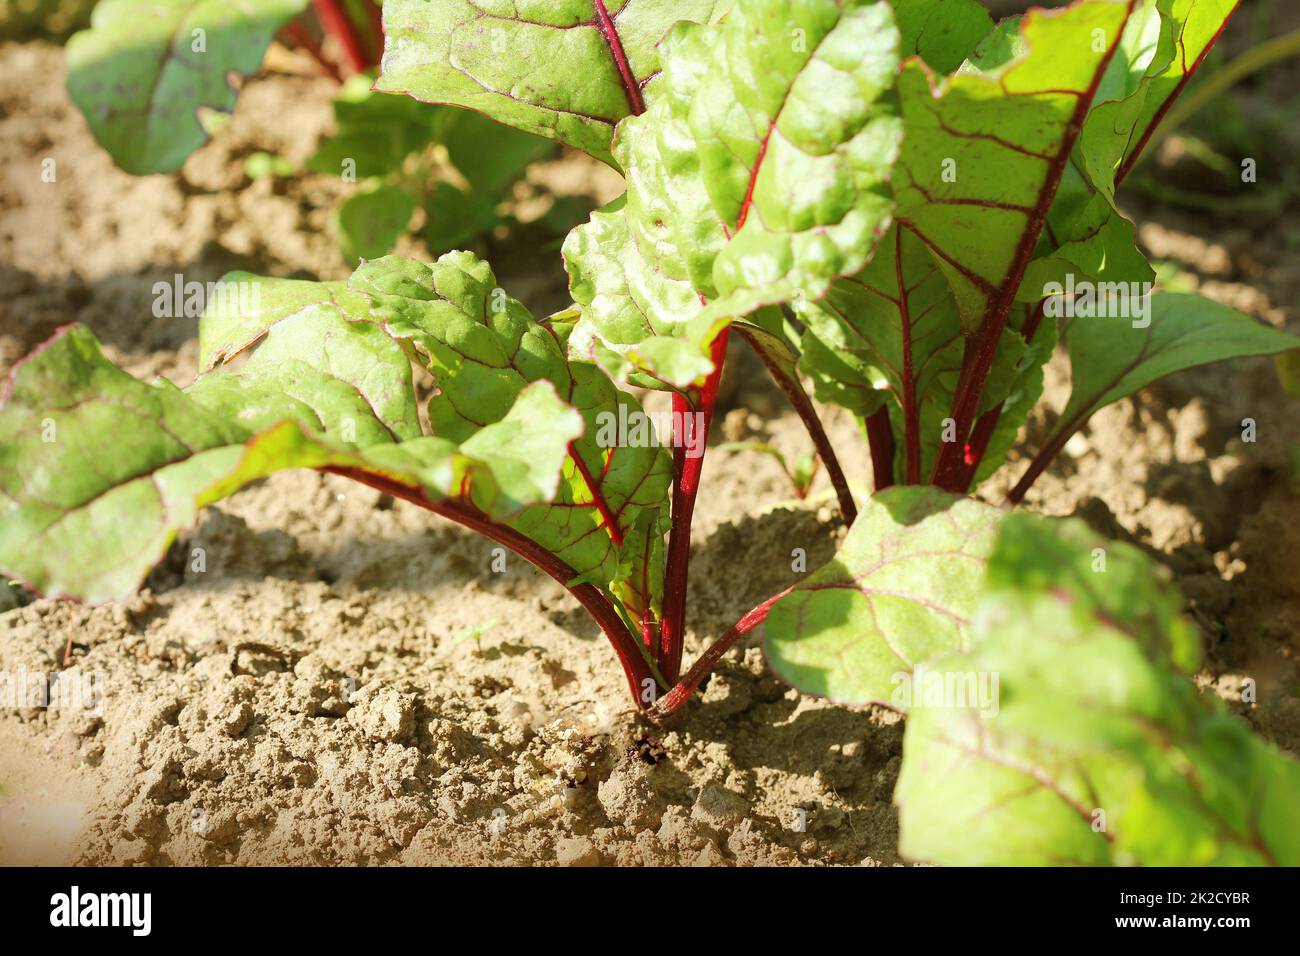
[900,591]
[517,63]
[139,76]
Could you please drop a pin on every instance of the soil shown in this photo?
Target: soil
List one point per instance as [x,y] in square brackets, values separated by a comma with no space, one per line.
[344,679]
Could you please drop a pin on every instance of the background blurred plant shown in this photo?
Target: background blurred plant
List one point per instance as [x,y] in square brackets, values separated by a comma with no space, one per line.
[442,172]
[25,19]
[153,81]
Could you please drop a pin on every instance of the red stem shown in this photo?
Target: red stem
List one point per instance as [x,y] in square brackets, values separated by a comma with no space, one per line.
[591,598]
[1046,455]
[685,488]
[336,22]
[911,413]
[376,19]
[880,436]
[676,698]
[607,29]
[950,465]
[295,34]
[982,434]
[803,406]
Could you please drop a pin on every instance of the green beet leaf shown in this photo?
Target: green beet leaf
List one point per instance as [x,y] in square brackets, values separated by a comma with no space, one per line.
[374,132]
[942,33]
[892,334]
[901,591]
[482,347]
[146,68]
[986,149]
[975,187]
[1164,45]
[1070,733]
[567,70]
[1111,357]
[490,156]
[456,218]
[371,221]
[1164,42]
[756,177]
[100,471]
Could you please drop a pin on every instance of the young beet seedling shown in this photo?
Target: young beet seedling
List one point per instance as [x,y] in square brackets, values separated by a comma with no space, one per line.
[899,200]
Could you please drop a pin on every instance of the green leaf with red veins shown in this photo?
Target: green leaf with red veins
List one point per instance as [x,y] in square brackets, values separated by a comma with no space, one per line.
[145,69]
[636,321]
[244,307]
[342,378]
[757,176]
[99,471]
[1170,40]
[986,149]
[892,334]
[797,137]
[1022,394]
[1071,733]
[567,70]
[900,591]
[1086,236]
[482,347]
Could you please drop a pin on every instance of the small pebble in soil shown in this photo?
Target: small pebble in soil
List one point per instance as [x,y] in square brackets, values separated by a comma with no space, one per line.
[577,851]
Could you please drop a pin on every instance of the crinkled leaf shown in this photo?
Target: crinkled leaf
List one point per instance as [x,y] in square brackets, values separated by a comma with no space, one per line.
[482,346]
[756,177]
[567,70]
[244,307]
[1091,746]
[317,365]
[796,143]
[98,471]
[900,591]
[634,318]
[145,68]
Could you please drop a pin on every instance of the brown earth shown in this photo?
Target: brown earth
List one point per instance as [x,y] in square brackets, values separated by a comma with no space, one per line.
[316,694]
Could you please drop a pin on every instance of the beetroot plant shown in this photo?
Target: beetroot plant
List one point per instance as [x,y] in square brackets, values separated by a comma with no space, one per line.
[153,81]
[900,202]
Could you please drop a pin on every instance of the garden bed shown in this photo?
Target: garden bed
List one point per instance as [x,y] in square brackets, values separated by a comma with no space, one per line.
[229,731]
